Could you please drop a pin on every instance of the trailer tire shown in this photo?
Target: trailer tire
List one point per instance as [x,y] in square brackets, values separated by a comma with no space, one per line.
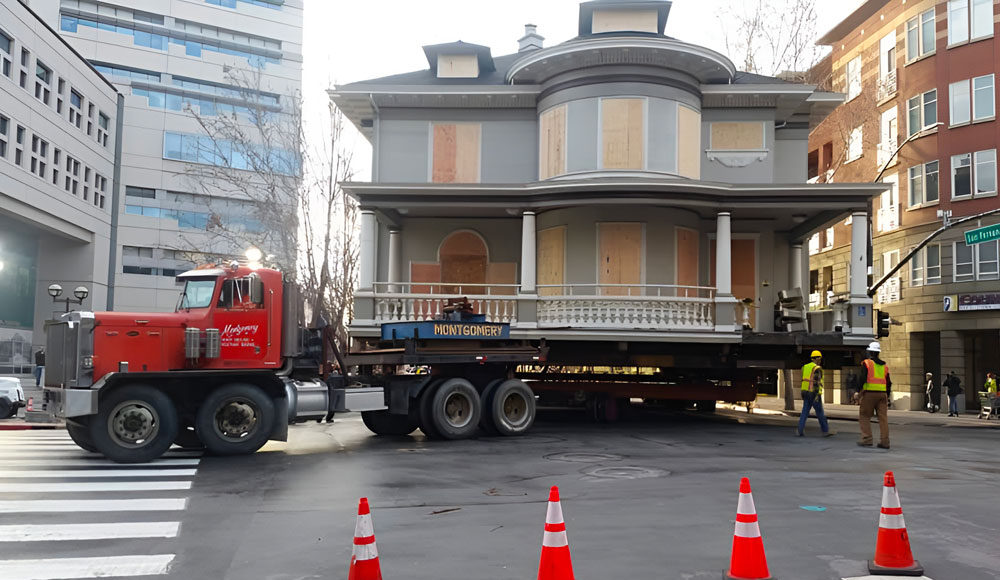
[80,434]
[235,419]
[486,419]
[510,407]
[455,409]
[387,424]
[134,424]
[423,406]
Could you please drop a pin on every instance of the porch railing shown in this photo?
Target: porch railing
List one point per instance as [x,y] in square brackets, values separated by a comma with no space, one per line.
[400,301]
[643,307]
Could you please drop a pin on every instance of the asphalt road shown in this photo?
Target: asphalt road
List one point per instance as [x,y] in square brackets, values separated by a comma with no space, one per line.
[651,497]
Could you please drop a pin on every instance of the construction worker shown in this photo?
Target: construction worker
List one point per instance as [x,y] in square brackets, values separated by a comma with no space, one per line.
[875,397]
[812,393]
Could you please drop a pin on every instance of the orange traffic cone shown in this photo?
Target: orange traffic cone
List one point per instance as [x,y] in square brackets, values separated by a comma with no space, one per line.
[555,563]
[748,561]
[364,559]
[892,550]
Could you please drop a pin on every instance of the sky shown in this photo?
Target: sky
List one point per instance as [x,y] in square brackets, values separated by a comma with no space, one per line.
[352,40]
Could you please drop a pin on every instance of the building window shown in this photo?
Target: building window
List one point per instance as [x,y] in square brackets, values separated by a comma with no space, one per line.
[5,44]
[959,103]
[924,183]
[986,172]
[978,178]
[983,102]
[961,175]
[828,238]
[144,192]
[273,5]
[456,152]
[925,266]
[965,265]
[622,133]
[920,35]
[854,144]
[4,124]
[853,73]
[966,15]
[922,112]
[986,261]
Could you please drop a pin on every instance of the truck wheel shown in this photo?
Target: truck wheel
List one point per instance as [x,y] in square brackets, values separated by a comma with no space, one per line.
[385,423]
[424,410]
[455,409]
[7,410]
[705,406]
[511,407]
[486,419]
[80,434]
[235,419]
[187,438]
[134,424]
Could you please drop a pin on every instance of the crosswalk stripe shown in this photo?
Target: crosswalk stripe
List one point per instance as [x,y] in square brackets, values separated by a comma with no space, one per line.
[40,447]
[77,453]
[95,461]
[77,532]
[47,441]
[73,568]
[90,505]
[89,473]
[89,486]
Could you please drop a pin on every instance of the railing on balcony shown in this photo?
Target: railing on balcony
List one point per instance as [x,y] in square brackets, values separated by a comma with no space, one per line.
[399,301]
[885,151]
[888,218]
[625,306]
[890,291]
[886,86]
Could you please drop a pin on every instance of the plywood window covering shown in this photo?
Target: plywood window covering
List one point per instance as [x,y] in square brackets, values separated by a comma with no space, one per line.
[624,21]
[620,256]
[551,259]
[688,142]
[458,66]
[686,259]
[622,133]
[456,153]
[500,277]
[743,269]
[464,261]
[552,148]
[737,136]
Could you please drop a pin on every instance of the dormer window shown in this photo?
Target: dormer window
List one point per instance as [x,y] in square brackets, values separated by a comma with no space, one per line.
[621,20]
[458,66]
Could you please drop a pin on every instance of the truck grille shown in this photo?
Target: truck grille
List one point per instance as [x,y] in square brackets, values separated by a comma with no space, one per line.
[68,341]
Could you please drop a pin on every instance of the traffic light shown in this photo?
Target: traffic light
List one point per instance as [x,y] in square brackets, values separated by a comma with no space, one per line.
[882,323]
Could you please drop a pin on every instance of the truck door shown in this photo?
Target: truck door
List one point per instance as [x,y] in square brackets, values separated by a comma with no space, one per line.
[241,315]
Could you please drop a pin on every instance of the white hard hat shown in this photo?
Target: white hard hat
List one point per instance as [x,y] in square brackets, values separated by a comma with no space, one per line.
[874,347]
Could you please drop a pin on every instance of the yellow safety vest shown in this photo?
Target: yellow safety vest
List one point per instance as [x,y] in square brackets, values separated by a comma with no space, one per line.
[875,380]
[991,385]
[807,372]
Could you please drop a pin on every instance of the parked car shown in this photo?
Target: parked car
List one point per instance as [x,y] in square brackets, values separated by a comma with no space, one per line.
[11,397]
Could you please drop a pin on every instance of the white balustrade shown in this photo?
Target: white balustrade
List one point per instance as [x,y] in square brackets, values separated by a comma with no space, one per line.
[427,301]
[639,308]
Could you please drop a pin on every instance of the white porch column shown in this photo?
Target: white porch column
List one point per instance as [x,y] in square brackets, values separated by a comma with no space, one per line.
[725,303]
[367,251]
[395,258]
[795,277]
[860,315]
[528,273]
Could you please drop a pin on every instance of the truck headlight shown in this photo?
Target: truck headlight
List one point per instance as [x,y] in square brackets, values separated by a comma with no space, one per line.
[87,362]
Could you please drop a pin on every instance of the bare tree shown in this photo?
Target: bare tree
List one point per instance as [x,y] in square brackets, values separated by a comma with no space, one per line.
[770,37]
[256,155]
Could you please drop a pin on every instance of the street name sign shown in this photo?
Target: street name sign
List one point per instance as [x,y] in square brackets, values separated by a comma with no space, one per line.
[980,235]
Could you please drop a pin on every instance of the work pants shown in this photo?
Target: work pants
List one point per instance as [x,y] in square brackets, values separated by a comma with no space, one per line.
[877,402]
[953,404]
[812,401]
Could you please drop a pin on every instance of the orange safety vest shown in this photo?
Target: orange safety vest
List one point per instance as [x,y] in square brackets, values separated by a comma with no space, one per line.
[875,381]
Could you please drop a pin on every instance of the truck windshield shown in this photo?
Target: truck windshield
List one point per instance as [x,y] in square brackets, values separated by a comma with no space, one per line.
[197,294]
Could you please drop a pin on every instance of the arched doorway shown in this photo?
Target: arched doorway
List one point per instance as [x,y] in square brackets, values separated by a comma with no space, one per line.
[464,260]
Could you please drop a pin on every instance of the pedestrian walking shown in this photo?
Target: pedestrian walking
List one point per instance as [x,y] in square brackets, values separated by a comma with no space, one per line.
[39,366]
[875,397]
[933,394]
[812,394]
[954,386]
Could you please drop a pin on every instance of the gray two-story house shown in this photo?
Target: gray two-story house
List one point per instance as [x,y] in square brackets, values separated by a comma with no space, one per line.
[624,190]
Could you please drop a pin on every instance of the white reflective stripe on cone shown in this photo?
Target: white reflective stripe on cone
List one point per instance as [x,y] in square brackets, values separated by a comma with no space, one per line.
[890,497]
[891,522]
[365,552]
[555,540]
[554,514]
[747,530]
[745,505]
[363,528]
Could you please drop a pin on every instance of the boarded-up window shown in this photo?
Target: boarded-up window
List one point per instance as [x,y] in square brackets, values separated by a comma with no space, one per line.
[743,268]
[688,142]
[622,134]
[456,153]
[551,259]
[624,21]
[737,136]
[552,148]
[620,256]
[687,261]
[458,66]
[501,277]
[463,263]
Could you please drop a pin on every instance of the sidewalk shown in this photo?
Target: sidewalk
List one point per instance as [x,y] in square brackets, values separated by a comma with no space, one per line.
[772,405]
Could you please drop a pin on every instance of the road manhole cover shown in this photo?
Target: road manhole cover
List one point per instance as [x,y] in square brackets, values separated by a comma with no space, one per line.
[584,457]
[625,472]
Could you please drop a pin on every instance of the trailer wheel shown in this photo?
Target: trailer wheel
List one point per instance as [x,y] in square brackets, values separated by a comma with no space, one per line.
[235,419]
[424,410]
[80,434]
[385,423]
[511,407]
[134,424]
[455,408]
[486,419]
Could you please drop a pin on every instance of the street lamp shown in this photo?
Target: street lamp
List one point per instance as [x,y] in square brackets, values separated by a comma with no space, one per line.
[80,292]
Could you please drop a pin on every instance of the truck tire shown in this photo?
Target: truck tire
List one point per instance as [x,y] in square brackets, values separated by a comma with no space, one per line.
[424,412]
[511,407]
[486,419]
[7,409]
[235,419]
[455,409]
[385,423]
[80,434]
[134,424]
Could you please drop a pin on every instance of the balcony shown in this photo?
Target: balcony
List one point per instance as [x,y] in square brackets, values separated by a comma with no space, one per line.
[888,218]
[890,291]
[668,308]
[886,88]
[886,151]
[398,302]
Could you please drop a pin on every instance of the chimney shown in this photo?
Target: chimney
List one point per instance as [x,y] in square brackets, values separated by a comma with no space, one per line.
[531,39]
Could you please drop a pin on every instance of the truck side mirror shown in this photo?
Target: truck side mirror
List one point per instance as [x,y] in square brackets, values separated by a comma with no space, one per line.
[256,290]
